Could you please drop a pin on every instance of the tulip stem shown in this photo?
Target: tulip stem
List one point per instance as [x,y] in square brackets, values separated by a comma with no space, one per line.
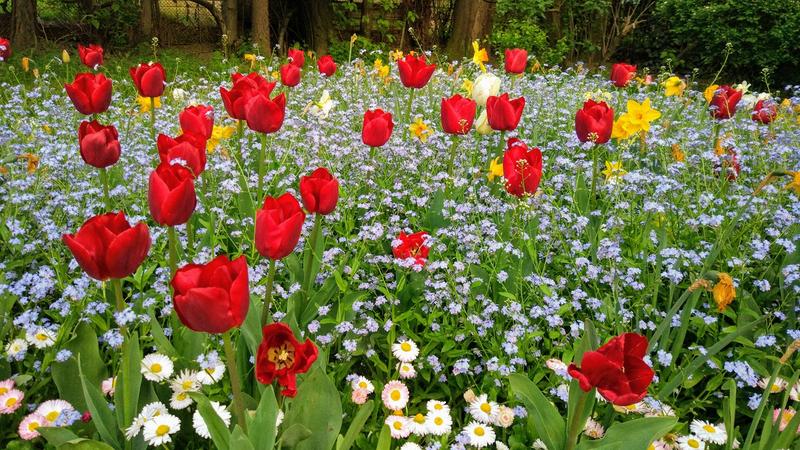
[453,148]
[311,256]
[117,283]
[262,156]
[236,385]
[408,111]
[153,118]
[104,180]
[592,199]
[239,137]
[575,425]
[173,251]
[268,293]
[189,238]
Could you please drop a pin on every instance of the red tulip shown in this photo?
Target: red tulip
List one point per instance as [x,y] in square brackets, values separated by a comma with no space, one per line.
[326,65]
[319,191]
[377,127]
[516,60]
[198,120]
[594,122]
[723,104]
[411,246]
[414,71]
[281,356]
[213,297]
[5,49]
[458,114]
[171,194]
[263,114]
[765,111]
[278,226]
[504,114]
[522,168]
[290,75]
[106,246]
[187,149]
[244,87]
[99,144]
[90,93]
[149,79]
[622,74]
[297,58]
[91,56]
[617,370]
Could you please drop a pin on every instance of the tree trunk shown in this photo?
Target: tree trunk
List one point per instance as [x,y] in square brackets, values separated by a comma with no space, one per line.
[231,18]
[472,19]
[320,18]
[147,15]
[261,26]
[23,22]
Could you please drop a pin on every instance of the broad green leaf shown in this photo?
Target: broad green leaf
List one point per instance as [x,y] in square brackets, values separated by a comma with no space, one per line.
[262,429]
[57,436]
[294,435]
[318,407]
[634,434]
[251,328]
[162,343]
[220,435]
[546,419]
[385,439]
[358,423]
[84,444]
[240,442]
[129,381]
[102,417]
[65,374]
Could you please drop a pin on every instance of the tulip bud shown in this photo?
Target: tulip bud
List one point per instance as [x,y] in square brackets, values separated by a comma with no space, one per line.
[65,56]
[485,86]
[482,124]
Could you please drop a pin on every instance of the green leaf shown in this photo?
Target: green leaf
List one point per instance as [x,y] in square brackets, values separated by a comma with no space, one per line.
[262,426]
[251,328]
[546,420]
[294,435]
[57,436]
[385,439]
[317,407]
[240,442]
[65,374]
[129,381]
[84,444]
[162,343]
[633,434]
[216,427]
[102,417]
[587,343]
[358,423]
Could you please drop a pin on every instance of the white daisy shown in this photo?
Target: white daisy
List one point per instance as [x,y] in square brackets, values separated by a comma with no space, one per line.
[180,400]
[279,419]
[410,446]
[395,395]
[709,432]
[405,350]
[52,409]
[794,392]
[479,434]
[363,384]
[186,381]
[398,426]
[212,374]
[160,429]
[41,338]
[501,446]
[690,443]
[593,429]
[483,410]
[439,422]
[418,424]
[437,406]
[406,370]
[200,425]
[777,386]
[557,366]
[16,347]
[6,385]
[149,411]
[157,367]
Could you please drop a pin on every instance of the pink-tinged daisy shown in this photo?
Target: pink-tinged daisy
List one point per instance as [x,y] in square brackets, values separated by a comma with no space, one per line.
[399,427]
[6,385]
[11,401]
[30,424]
[51,410]
[395,395]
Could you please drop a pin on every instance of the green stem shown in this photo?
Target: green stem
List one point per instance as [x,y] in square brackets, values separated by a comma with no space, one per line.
[408,110]
[173,251]
[262,156]
[268,293]
[595,168]
[211,216]
[236,385]
[106,196]
[575,425]
[153,118]
[190,238]
[117,283]
[453,147]
[239,137]
[311,256]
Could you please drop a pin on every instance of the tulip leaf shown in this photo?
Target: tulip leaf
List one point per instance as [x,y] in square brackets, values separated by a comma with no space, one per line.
[240,442]
[251,328]
[542,413]
[102,417]
[581,194]
[162,343]
[84,444]
[385,439]
[262,426]
[318,407]
[294,435]
[633,434]
[216,427]
[355,427]
[57,436]
[129,381]
[65,374]
[586,344]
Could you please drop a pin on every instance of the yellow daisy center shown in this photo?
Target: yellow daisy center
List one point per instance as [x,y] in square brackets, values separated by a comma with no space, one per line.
[162,430]
[11,401]
[395,395]
[419,418]
[405,346]
[694,443]
[709,428]
[155,368]
[33,426]
[362,385]
[3,390]
[438,420]
[41,336]
[52,416]
[187,384]
[487,408]
[397,425]
[479,431]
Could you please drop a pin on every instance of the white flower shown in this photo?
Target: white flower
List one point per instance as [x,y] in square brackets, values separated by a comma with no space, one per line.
[691,443]
[593,429]
[406,370]
[398,426]
[186,381]
[483,410]
[405,350]
[482,123]
[501,446]
[200,426]
[485,86]
[160,429]
[52,409]
[437,406]
[16,347]
[109,385]
[794,392]
[479,434]
[395,395]
[41,338]
[709,432]
[279,419]
[504,417]
[180,400]
[777,386]
[742,87]
[410,446]
[557,366]
[157,367]
[439,422]
[364,384]
[212,374]
[538,444]
[322,108]
[418,424]
[179,95]
[149,411]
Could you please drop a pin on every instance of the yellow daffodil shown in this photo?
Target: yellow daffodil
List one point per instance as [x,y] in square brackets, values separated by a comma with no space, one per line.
[724,292]
[479,56]
[677,153]
[144,103]
[795,183]
[467,87]
[353,38]
[65,56]
[709,92]
[719,149]
[495,169]
[614,171]
[623,128]
[396,55]
[26,63]
[251,58]
[33,161]
[674,86]
[219,133]
[640,115]
[420,129]
[381,69]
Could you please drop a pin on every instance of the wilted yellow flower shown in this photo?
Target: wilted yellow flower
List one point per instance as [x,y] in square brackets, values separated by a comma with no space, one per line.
[467,87]
[219,133]
[251,58]
[640,115]
[614,171]
[3,170]
[144,103]
[35,72]
[795,183]
[26,63]
[397,54]
[674,86]
[65,56]
[724,292]
[33,161]
[420,129]
[353,38]
[46,128]
[709,92]
[479,56]
[677,153]
[719,150]
[495,169]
